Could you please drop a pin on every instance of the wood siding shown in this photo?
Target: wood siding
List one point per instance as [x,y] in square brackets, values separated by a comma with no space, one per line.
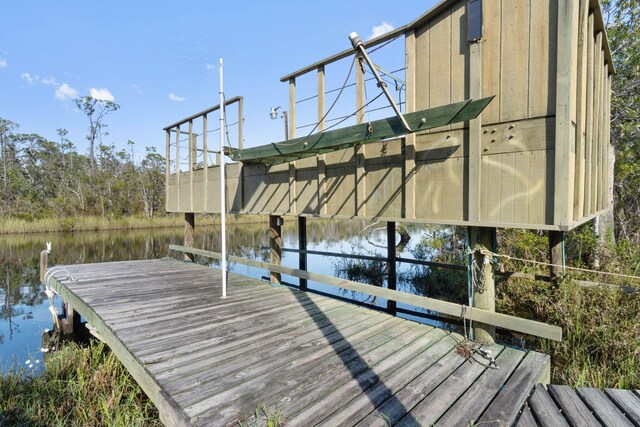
[537,157]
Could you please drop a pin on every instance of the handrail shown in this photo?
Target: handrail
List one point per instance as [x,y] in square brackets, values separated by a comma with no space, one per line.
[202,113]
[505,321]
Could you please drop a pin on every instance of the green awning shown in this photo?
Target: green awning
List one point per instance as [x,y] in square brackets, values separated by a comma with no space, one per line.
[333,140]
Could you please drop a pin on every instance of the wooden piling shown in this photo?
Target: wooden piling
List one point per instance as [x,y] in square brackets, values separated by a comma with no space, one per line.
[556,254]
[275,246]
[189,233]
[302,245]
[391,264]
[483,289]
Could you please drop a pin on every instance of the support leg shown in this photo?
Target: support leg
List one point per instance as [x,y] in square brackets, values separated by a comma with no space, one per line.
[189,233]
[391,263]
[482,280]
[302,246]
[275,246]
[556,255]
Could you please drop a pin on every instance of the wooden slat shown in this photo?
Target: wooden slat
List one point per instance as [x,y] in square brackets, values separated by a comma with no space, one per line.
[526,418]
[504,408]
[628,402]
[476,399]
[335,393]
[438,402]
[545,409]
[573,408]
[514,66]
[587,210]
[603,408]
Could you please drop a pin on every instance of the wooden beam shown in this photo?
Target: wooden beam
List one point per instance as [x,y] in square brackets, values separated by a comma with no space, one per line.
[325,142]
[167,170]
[565,100]
[475,135]
[409,172]
[505,321]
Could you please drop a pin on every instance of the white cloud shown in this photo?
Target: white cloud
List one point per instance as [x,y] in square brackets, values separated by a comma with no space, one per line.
[101,94]
[3,63]
[176,98]
[65,92]
[29,78]
[381,29]
[136,87]
[50,81]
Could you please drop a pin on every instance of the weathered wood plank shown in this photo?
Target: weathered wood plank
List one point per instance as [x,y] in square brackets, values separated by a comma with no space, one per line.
[628,402]
[603,408]
[475,400]
[545,409]
[432,407]
[504,408]
[332,389]
[365,403]
[573,408]
[526,418]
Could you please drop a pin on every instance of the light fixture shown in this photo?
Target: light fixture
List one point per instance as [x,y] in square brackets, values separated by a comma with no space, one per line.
[274,113]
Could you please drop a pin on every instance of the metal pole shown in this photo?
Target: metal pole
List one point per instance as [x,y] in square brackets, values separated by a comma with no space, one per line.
[223,207]
[359,47]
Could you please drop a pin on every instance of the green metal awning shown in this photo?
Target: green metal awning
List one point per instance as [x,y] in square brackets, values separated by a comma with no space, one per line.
[324,142]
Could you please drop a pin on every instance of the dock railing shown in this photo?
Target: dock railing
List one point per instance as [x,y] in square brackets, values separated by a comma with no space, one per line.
[504,321]
[197,149]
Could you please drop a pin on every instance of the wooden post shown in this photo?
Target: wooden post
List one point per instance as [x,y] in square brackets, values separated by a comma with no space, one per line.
[275,246]
[556,254]
[189,233]
[483,284]
[391,264]
[302,246]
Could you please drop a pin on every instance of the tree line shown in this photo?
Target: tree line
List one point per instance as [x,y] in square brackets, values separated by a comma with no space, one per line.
[41,178]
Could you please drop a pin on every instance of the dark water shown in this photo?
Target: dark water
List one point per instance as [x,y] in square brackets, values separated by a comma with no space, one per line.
[24,307]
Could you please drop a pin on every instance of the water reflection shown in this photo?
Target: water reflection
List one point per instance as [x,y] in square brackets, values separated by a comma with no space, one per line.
[24,308]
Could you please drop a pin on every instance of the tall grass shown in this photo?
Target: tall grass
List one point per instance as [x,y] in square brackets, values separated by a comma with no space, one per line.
[81,386]
[98,223]
[601,328]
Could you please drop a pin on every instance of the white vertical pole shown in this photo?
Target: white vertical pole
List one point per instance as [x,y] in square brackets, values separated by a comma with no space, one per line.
[223,204]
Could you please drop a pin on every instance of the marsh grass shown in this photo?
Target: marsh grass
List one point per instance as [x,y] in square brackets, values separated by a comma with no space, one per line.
[601,328]
[81,386]
[97,223]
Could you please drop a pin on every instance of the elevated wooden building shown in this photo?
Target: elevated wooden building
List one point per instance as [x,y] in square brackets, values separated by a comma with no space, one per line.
[537,157]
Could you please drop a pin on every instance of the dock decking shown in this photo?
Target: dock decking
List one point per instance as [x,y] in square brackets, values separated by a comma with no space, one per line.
[316,360]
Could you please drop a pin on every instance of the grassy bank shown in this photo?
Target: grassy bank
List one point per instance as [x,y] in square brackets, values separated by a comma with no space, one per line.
[601,343]
[83,386]
[97,223]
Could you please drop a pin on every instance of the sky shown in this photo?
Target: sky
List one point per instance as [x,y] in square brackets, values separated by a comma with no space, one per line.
[159,60]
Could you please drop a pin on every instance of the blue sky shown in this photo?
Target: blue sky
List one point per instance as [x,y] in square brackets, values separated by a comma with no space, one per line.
[158,60]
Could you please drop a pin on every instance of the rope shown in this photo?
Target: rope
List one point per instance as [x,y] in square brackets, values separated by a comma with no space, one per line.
[587,270]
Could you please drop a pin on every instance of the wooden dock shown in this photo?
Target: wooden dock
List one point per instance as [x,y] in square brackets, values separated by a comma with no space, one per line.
[316,360]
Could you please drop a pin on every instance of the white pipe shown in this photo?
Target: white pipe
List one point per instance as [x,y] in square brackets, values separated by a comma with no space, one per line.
[223,204]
